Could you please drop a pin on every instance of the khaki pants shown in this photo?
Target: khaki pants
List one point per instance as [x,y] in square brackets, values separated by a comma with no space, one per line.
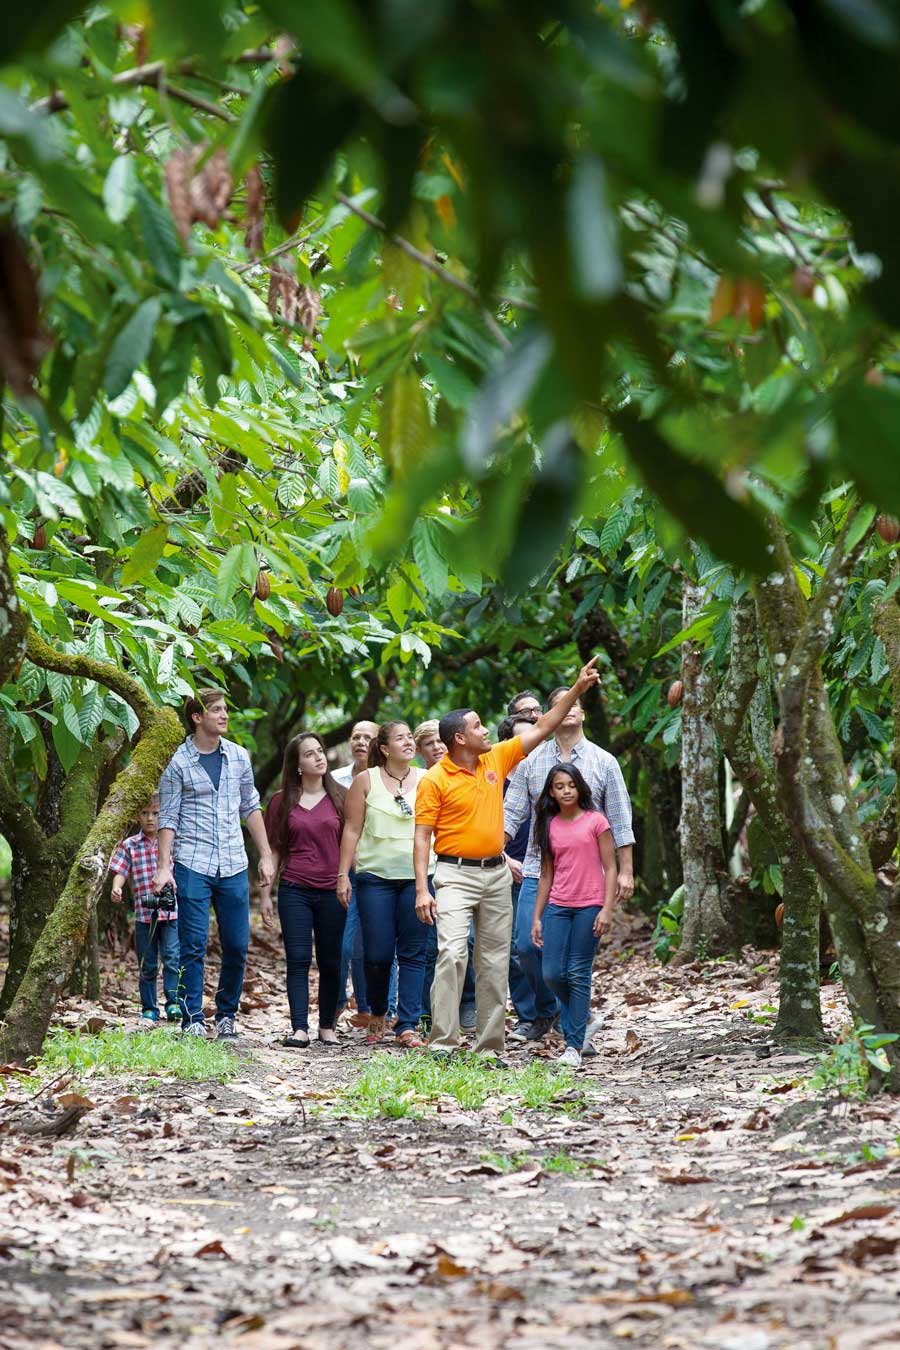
[464,894]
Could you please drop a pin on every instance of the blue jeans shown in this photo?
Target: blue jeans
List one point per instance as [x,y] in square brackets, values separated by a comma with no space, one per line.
[229,897]
[305,913]
[387,912]
[569,946]
[519,988]
[152,941]
[529,955]
[352,959]
[431,949]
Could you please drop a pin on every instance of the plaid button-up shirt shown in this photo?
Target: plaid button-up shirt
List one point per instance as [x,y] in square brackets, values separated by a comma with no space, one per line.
[206,821]
[600,771]
[137,857]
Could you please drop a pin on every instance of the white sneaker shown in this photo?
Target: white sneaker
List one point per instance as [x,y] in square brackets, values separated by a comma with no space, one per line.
[593,1026]
[195,1029]
[570,1058]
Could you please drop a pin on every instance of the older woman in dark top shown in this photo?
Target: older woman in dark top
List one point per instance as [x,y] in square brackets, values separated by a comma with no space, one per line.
[304,821]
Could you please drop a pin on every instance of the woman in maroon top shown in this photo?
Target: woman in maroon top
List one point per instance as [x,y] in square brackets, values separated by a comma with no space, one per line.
[304,821]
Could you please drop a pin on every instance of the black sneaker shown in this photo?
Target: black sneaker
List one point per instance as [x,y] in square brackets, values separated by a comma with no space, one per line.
[520,1031]
[467,1018]
[225,1029]
[539,1028]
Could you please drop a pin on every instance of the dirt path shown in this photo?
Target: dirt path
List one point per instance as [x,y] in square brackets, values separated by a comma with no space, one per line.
[683,1195]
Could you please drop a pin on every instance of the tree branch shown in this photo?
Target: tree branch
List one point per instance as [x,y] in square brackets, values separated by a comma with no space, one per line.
[151,74]
[104,672]
[432,265]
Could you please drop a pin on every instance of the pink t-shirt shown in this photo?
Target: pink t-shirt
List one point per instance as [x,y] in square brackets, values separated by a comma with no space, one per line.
[578,876]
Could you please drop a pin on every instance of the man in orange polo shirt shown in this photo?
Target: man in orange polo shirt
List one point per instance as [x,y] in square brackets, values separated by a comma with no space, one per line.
[460,802]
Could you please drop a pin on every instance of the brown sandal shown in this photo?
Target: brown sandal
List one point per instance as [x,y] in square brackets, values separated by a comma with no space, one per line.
[375,1031]
[410,1040]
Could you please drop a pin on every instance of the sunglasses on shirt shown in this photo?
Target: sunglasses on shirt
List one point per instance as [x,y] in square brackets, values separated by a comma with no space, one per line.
[404,805]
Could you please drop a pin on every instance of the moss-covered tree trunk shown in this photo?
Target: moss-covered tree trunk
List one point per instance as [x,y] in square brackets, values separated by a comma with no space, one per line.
[863,914]
[44,844]
[66,930]
[743,718]
[13,621]
[708,930]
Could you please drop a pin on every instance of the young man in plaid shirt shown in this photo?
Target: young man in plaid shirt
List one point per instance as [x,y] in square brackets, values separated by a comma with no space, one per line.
[155,930]
[205,792]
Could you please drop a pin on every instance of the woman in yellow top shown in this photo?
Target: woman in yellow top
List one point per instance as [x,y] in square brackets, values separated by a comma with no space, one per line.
[379,830]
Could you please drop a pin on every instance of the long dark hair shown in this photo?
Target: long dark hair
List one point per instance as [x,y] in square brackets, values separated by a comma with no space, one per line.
[379,742]
[291,786]
[547,806]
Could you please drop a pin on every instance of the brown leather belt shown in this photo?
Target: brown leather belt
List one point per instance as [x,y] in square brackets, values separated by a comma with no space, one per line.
[497,861]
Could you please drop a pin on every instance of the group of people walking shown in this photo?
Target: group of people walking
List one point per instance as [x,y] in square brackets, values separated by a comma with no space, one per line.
[496,862]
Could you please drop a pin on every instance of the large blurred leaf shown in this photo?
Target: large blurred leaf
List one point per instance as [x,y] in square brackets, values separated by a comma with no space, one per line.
[696,498]
[868,423]
[131,347]
[309,118]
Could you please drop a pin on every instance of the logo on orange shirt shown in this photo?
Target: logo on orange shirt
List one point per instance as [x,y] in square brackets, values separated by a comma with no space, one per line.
[490,776]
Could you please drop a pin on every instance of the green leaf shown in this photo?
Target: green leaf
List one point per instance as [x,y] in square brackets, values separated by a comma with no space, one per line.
[404,426]
[327,113]
[228,577]
[430,560]
[144,556]
[868,422]
[120,188]
[160,238]
[502,394]
[591,228]
[696,498]
[615,530]
[131,347]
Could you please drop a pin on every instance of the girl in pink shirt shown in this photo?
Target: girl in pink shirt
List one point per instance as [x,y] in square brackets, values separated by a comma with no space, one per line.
[575,898]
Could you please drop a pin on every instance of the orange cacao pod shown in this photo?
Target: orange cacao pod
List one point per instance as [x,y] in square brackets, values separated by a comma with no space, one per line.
[263,585]
[673,697]
[779,915]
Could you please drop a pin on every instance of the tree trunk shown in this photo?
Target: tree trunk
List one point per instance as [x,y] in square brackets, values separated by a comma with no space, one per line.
[708,930]
[743,717]
[66,930]
[812,780]
[13,620]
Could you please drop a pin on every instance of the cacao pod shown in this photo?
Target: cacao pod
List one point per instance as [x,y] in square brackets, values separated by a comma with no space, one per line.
[673,697]
[334,601]
[354,590]
[803,282]
[39,539]
[779,915]
[263,585]
[888,527]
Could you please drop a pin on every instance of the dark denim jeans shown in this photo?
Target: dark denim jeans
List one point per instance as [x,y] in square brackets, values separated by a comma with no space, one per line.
[467,999]
[569,947]
[544,1004]
[520,991]
[153,941]
[387,912]
[352,959]
[306,913]
[229,897]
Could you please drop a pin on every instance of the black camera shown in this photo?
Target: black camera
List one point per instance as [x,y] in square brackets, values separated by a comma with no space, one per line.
[164,899]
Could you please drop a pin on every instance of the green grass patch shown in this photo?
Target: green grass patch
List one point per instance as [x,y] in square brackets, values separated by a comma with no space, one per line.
[163,1052]
[394,1087]
[561,1162]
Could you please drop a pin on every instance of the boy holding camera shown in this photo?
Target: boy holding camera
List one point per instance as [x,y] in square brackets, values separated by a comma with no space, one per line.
[155,916]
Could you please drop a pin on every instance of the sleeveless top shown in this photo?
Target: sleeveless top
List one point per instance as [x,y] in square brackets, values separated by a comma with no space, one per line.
[386,843]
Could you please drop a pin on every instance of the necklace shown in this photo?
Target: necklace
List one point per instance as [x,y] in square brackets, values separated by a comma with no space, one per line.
[398,781]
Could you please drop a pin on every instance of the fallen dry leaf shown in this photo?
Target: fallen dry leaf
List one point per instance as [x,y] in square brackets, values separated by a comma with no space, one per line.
[873,1211]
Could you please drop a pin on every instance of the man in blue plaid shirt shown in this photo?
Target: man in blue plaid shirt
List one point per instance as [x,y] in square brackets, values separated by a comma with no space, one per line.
[604,777]
[204,794]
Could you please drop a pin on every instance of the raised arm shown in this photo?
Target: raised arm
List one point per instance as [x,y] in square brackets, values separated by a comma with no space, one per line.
[354,819]
[545,726]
